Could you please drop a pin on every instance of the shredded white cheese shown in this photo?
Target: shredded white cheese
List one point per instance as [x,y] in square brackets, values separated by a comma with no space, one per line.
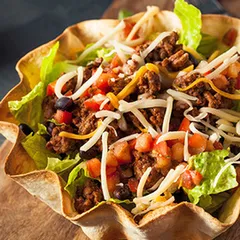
[167,116]
[180,95]
[143,103]
[119,51]
[138,59]
[219,113]
[154,43]
[61,82]
[104,185]
[220,132]
[156,185]
[227,128]
[185,148]
[102,41]
[223,121]
[104,103]
[106,113]
[238,128]
[127,138]
[143,181]
[144,122]
[226,63]
[216,61]
[97,134]
[151,11]
[171,135]
[233,159]
[79,78]
[234,113]
[214,137]
[171,177]
[193,129]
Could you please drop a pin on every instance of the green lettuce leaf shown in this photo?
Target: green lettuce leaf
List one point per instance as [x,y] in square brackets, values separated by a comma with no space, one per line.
[42,129]
[209,164]
[123,13]
[99,52]
[35,146]
[190,18]
[76,178]
[29,109]
[47,65]
[58,166]
[212,202]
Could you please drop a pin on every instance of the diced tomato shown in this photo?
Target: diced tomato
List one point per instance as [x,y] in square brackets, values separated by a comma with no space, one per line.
[63,117]
[86,94]
[230,37]
[122,153]
[116,61]
[144,143]
[133,184]
[162,148]
[128,29]
[68,93]
[110,170]
[187,181]
[90,104]
[184,126]
[163,161]
[218,146]
[177,152]
[132,144]
[196,177]
[94,167]
[220,82]
[112,180]
[197,144]
[209,146]
[50,88]
[102,82]
[111,159]
[237,86]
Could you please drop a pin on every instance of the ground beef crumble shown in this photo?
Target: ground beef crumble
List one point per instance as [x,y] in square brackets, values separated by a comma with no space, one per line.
[62,144]
[88,196]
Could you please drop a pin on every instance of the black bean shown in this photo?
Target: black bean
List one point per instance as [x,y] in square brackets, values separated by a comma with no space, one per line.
[25,129]
[122,192]
[64,103]
[50,127]
[47,137]
[234,149]
[89,154]
[193,59]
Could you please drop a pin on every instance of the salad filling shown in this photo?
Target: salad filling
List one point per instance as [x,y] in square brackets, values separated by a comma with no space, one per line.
[144,120]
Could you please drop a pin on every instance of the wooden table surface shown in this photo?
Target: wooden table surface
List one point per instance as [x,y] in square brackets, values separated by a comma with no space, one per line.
[23,216]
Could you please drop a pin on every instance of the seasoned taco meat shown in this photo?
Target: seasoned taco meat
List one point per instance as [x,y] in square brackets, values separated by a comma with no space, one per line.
[141,162]
[48,107]
[61,144]
[88,196]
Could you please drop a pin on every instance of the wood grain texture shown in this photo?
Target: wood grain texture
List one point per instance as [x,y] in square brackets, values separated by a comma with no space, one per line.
[23,216]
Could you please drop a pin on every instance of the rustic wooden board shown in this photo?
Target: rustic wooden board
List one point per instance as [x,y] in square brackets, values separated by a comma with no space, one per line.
[23,216]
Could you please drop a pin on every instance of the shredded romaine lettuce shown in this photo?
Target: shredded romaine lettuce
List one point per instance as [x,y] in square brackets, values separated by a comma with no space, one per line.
[209,164]
[105,53]
[35,146]
[123,13]
[77,178]
[58,166]
[191,21]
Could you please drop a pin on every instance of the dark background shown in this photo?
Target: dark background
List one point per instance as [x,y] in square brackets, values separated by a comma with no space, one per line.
[26,24]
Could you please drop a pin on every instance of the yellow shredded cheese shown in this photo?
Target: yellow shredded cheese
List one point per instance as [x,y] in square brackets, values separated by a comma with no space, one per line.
[188,69]
[78,136]
[113,99]
[193,52]
[205,80]
[213,55]
[152,67]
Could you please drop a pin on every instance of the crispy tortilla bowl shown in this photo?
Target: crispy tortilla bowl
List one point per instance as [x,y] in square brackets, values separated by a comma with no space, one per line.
[108,220]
